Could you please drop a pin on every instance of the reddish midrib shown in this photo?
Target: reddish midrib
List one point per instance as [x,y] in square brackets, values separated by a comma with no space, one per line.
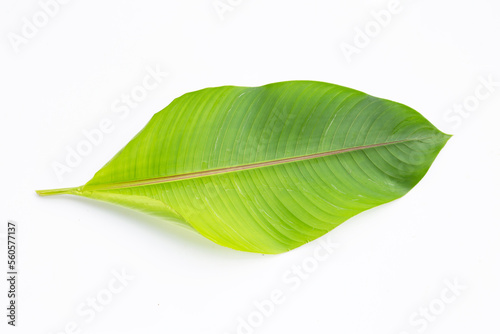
[172,178]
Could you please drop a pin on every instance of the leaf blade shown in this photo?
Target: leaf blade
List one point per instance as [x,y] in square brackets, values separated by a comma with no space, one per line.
[292,160]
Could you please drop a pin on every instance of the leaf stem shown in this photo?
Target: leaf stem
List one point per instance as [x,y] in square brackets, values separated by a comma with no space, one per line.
[60,191]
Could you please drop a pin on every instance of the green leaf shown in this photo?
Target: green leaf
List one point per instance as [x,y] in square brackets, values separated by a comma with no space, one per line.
[267,169]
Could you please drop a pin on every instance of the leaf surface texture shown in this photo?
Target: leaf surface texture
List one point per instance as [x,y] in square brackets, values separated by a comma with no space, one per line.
[267,169]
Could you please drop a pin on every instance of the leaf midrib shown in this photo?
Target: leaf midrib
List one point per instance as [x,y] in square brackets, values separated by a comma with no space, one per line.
[192,175]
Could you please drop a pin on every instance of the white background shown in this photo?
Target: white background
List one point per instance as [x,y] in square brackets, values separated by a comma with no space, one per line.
[390,264]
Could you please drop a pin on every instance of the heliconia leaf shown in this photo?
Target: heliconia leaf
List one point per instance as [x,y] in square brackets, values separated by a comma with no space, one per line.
[267,169]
